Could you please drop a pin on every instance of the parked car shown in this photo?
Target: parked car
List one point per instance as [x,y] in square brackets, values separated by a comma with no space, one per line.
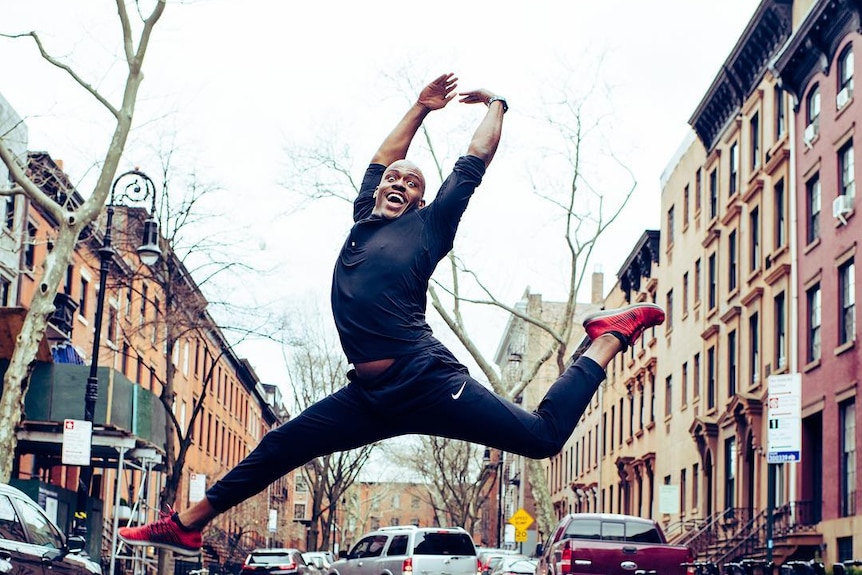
[405,549]
[610,544]
[489,558]
[320,559]
[515,565]
[31,543]
[277,562]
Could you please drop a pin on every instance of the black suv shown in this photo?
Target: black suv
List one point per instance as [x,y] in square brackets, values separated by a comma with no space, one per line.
[405,549]
[30,542]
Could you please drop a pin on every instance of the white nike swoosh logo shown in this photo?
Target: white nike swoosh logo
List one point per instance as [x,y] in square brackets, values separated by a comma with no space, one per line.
[460,390]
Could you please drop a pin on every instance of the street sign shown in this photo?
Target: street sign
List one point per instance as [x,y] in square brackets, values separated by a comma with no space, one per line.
[784,414]
[77,442]
[520,520]
[197,487]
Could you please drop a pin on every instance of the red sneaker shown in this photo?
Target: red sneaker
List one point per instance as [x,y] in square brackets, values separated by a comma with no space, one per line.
[625,323]
[166,533]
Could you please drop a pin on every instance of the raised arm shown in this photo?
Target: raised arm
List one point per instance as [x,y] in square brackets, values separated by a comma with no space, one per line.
[432,97]
[487,135]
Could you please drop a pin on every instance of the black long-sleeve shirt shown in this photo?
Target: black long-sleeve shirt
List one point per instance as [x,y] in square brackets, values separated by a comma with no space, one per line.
[381,276]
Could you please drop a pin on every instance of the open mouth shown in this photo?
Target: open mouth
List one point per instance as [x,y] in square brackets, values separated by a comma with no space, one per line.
[395,198]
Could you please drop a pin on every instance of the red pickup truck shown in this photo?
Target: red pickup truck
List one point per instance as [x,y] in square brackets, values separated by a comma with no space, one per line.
[611,544]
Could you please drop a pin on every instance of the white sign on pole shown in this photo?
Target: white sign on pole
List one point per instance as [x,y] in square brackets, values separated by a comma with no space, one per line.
[197,487]
[784,413]
[668,499]
[272,524]
[77,441]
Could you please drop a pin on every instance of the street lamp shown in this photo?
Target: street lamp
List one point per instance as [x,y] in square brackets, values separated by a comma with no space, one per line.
[138,189]
[498,470]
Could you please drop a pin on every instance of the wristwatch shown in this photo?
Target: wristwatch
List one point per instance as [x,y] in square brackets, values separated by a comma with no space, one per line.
[500,99]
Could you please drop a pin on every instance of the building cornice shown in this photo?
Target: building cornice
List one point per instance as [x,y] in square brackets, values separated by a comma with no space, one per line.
[743,70]
[815,42]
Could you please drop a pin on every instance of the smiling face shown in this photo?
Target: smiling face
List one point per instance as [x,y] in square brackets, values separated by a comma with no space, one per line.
[400,190]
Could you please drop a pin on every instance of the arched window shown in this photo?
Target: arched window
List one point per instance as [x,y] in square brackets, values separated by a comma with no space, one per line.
[845,77]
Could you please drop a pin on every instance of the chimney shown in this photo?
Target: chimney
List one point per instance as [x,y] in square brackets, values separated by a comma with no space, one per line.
[598,287]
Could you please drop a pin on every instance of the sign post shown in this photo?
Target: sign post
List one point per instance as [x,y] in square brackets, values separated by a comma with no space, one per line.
[783,437]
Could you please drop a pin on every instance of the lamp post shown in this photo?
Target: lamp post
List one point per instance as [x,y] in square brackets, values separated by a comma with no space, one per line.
[138,189]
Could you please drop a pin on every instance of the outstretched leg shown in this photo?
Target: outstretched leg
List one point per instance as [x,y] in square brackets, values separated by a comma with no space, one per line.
[474,413]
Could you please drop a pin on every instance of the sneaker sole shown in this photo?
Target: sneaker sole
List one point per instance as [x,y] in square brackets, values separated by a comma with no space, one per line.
[174,548]
[609,313]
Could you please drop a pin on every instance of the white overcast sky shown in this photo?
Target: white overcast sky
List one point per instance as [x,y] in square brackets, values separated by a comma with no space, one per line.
[239,81]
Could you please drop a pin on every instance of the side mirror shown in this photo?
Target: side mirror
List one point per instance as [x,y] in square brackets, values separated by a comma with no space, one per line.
[540,549]
[75,543]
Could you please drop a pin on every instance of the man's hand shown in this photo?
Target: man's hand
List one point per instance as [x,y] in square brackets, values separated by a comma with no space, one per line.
[476,97]
[439,92]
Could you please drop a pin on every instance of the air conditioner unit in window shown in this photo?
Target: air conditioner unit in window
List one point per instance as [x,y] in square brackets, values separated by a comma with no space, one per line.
[843,97]
[810,133]
[841,206]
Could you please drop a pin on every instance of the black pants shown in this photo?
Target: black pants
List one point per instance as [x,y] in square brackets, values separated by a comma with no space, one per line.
[428,393]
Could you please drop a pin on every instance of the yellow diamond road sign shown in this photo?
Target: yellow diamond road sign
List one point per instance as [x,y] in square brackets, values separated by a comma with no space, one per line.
[521,519]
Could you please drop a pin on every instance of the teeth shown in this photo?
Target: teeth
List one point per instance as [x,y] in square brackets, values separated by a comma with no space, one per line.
[395,198]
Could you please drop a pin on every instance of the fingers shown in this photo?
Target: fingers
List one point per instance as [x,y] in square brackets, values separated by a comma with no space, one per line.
[474,97]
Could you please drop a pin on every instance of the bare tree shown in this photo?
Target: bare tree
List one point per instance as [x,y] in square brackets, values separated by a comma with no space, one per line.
[71,220]
[586,201]
[457,482]
[316,369]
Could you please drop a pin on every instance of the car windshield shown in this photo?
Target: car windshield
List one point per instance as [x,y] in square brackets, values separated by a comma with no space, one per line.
[443,543]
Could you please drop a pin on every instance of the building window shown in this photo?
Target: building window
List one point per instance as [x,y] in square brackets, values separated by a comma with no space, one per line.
[847,416]
[780,331]
[695,485]
[683,491]
[734,169]
[713,194]
[697,281]
[5,288]
[670,230]
[9,219]
[685,207]
[712,272]
[812,188]
[112,324]
[847,298]
[299,510]
[669,309]
[845,548]
[732,263]
[754,136]
[652,397]
[731,363]
[780,221]
[845,77]
[754,239]
[668,396]
[684,382]
[143,309]
[812,112]
[30,248]
[684,293]
[83,297]
[813,343]
[848,178]
[698,191]
[729,472]
[710,378]
[754,347]
[780,113]
[695,377]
